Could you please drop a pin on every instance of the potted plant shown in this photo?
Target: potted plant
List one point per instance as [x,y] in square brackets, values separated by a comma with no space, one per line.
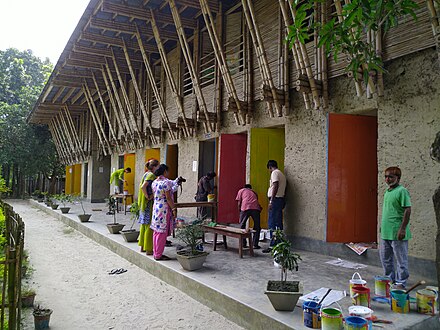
[28,297]
[113,228]
[64,199]
[83,217]
[191,234]
[46,198]
[39,196]
[284,294]
[131,235]
[53,202]
[41,317]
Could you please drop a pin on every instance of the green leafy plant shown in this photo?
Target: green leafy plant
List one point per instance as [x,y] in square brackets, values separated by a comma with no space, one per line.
[64,199]
[283,255]
[191,235]
[348,36]
[135,212]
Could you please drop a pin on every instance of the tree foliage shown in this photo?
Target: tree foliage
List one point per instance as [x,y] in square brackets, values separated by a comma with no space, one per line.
[25,149]
[349,36]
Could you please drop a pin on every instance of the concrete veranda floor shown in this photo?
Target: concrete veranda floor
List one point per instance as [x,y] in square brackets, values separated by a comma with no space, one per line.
[235,287]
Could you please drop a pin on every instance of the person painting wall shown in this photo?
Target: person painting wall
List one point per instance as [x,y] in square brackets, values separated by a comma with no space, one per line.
[118,176]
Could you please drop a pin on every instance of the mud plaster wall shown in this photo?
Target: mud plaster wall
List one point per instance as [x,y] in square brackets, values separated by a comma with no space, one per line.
[409,118]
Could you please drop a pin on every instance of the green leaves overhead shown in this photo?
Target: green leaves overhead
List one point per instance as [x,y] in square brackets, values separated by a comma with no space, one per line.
[346,32]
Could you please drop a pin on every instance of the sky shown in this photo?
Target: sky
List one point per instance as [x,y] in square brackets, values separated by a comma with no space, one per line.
[44,26]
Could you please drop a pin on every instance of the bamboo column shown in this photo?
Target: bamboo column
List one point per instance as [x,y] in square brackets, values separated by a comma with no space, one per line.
[169,75]
[68,126]
[138,93]
[57,142]
[221,60]
[153,85]
[324,62]
[434,12]
[64,144]
[129,136]
[260,51]
[105,111]
[92,114]
[126,99]
[68,142]
[191,69]
[74,131]
[70,137]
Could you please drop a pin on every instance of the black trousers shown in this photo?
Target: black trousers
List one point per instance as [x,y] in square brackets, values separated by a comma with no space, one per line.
[255,214]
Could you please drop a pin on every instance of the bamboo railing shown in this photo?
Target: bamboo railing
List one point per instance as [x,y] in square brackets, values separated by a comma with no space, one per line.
[11,263]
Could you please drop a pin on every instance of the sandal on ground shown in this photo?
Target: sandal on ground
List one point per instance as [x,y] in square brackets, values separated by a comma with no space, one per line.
[149,253]
[163,257]
[117,271]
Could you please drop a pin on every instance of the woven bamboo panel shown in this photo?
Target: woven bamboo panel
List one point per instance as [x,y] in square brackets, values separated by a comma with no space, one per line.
[171,109]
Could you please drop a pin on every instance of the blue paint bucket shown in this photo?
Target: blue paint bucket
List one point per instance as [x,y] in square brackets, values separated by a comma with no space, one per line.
[311,315]
[355,323]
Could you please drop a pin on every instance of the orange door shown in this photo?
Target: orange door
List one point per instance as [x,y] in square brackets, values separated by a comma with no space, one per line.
[130,161]
[352,179]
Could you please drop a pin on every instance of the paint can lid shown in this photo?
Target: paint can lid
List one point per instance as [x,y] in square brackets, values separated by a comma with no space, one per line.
[360,311]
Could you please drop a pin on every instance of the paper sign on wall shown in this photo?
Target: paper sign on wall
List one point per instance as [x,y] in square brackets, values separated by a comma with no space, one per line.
[101,169]
[194,165]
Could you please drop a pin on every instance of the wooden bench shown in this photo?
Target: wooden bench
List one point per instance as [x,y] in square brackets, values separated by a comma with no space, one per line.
[231,232]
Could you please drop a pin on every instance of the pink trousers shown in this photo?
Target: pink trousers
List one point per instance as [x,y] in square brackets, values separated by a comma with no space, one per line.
[159,241]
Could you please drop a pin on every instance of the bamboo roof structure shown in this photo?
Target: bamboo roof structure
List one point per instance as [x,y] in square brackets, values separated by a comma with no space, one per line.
[120,76]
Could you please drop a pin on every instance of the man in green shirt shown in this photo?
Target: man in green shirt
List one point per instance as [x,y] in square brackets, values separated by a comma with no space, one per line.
[394,229]
[117,176]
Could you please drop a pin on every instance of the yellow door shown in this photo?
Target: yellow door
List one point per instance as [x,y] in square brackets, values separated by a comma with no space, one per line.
[266,144]
[76,179]
[129,161]
[153,153]
[68,184]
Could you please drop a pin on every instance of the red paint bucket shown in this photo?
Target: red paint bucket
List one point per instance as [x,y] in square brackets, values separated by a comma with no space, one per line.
[361,296]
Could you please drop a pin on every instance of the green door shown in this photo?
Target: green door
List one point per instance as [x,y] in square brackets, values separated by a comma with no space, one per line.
[266,143]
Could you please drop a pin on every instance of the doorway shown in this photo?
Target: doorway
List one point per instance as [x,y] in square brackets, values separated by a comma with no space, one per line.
[153,153]
[172,160]
[266,144]
[231,176]
[352,179]
[85,178]
[207,157]
[129,161]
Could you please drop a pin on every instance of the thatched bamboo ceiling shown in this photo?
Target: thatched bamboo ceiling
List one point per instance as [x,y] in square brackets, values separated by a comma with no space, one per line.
[100,34]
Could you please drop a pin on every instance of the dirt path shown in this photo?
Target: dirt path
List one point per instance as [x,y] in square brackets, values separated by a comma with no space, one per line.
[71,277]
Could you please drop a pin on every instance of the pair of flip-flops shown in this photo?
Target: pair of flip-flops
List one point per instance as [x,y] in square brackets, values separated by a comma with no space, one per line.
[117,271]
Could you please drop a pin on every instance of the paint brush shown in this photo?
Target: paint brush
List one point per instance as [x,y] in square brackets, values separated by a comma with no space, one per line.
[326,294]
[415,286]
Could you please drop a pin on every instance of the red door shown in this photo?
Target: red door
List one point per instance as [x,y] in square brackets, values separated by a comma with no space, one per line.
[352,179]
[232,175]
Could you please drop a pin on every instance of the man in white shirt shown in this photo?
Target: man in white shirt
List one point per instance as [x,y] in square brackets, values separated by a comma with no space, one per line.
[276,192]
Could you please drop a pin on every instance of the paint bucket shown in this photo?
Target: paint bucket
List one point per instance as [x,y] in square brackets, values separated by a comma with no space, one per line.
[364,312]
[211,198]
[435,290]
[361,296]
[382,285]
[125,192]
[355,323]
[356,281]
[331,318]
[311,315]
[399,301]
[426,301]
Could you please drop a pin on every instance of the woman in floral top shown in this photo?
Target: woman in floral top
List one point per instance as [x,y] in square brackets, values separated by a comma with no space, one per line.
[145,202]
[162,219]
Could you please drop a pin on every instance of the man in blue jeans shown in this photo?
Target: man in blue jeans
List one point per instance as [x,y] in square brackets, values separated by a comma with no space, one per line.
[277,189]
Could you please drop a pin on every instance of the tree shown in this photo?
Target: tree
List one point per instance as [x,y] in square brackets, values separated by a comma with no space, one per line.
[25,150]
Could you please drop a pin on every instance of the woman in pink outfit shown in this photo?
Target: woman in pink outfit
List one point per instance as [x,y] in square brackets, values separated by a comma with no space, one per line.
[162,220]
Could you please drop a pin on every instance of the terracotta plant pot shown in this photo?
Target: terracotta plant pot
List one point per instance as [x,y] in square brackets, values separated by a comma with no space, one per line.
[28,301]
[84,217]
[54,206]
[190,261]
[130,235]
[283,300]
[114,228]
[65,210]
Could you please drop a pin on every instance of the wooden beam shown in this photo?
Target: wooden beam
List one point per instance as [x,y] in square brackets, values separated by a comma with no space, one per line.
[68,95]
[102,52]
[143,14]
[113,41]
[58,94]
[129,28]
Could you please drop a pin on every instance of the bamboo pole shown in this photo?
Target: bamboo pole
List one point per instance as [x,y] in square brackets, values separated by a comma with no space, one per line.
[153,85]
[97,118]
[138,92]
[324,62]
[126,99]
[169,75]
[92,114]
[75,135]
[266,75]
[434,12]
[105,111]
[70,137]
[296,56]
[63,140]
[56,142]
[221,59]
[191,69]
[129,135]
[89,133]
[123,130]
